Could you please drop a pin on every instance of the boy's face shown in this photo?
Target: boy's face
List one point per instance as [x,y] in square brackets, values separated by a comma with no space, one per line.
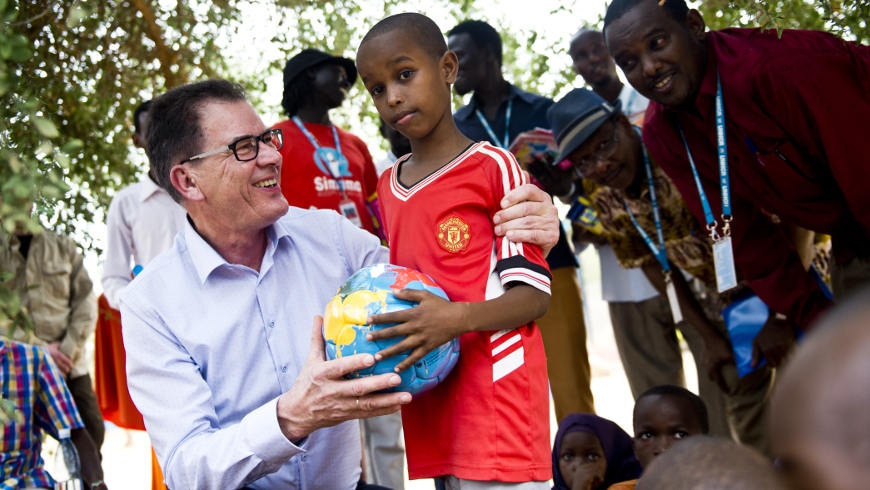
[660,421]
[662,58]
[410,88]
[581,460]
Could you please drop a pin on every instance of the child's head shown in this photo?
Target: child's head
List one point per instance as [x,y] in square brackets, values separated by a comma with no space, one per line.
[818,423]
[710,462]
[406,68]
[664,414]
[593,449]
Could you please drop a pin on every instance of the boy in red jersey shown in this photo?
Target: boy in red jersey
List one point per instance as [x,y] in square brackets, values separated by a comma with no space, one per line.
[487,425]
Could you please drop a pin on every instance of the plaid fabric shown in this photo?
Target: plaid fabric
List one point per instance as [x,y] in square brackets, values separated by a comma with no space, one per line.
[31,381]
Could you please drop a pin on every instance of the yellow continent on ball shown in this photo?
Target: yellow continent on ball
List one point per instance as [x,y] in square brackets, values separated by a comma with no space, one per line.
[343,318]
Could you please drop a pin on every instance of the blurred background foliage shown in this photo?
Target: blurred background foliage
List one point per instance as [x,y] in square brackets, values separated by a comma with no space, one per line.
[71,74]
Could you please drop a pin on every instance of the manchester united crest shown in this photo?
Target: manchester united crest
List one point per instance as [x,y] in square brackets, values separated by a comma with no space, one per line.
[453,234]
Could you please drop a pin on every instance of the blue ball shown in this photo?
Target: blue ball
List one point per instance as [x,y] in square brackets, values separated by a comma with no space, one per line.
[368,292]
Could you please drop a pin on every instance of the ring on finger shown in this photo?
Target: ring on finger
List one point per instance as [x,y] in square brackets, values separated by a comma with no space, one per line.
[357,403]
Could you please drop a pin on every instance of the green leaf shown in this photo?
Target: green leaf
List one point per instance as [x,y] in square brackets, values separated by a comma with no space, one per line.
[20,52]
[76,15]
[73,145]
[62,160]
[45,127]
[15,164]
[45,148]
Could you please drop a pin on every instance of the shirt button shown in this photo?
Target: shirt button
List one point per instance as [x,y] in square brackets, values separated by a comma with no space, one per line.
[272,324]
[283,369]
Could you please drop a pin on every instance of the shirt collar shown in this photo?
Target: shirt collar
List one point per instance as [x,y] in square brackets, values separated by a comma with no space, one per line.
[206,259]
[148,189]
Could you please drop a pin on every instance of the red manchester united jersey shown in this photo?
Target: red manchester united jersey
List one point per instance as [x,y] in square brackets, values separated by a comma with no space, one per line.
[489,420]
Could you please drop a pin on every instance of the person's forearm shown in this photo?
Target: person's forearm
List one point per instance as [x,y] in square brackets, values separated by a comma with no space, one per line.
[179,411]
[89,456]
[82,318]
[112,287]
[518,306]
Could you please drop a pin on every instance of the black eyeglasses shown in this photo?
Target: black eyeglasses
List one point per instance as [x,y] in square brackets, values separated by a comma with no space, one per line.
[247,148]
[603,150]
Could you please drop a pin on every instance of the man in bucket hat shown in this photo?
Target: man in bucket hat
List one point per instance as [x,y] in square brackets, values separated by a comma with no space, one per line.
[326,167]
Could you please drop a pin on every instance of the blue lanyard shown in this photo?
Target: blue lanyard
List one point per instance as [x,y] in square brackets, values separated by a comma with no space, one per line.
[333,161]
[724,182]
[659,251]
[507,126]
[313,141]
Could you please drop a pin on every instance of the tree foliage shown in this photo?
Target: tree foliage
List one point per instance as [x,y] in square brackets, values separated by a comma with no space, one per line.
[845,18]
[72,86]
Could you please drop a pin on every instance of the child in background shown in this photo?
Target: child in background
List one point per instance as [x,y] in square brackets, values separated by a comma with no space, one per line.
[437,205]
[590,453]
[663,415]
[711,462]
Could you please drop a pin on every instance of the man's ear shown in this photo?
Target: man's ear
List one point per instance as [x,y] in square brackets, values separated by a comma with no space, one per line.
[449,66]
[695,24]
[184,180]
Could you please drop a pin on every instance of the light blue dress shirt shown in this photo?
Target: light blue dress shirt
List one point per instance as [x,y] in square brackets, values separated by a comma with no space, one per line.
[211,345]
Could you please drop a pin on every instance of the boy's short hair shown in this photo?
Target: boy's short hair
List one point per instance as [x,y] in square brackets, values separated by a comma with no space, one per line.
[175,127]
[482,34]
[677,9]
[710,462]
[695,401]
[424,30]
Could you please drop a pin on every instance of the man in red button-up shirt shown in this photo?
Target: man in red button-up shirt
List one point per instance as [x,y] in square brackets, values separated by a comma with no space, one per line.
[797,131]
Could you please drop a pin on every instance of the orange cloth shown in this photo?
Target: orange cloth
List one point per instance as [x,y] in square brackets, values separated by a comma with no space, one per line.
[110,373]
[110,370]
[156,473]
[623,485]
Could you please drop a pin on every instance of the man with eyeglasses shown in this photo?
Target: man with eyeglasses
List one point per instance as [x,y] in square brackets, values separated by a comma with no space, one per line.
[630,193]
[222,359]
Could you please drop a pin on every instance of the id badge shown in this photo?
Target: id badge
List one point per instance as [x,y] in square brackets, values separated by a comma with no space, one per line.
[723,260]
[348,210]
[674,303]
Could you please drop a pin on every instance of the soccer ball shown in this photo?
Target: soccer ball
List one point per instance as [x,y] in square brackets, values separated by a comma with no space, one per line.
[367,292]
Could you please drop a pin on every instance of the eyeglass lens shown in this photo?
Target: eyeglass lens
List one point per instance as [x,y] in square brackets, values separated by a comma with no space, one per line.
[247,149]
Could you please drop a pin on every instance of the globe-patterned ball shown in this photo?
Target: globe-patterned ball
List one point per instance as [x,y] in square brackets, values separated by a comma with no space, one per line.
[368,292]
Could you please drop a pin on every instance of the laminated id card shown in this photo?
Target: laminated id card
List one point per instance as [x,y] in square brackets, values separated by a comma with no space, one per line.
[723,260]
[349,211]
[672,301]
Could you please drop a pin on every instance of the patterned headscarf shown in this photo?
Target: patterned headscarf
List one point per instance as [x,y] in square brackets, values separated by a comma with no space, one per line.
[617,445]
